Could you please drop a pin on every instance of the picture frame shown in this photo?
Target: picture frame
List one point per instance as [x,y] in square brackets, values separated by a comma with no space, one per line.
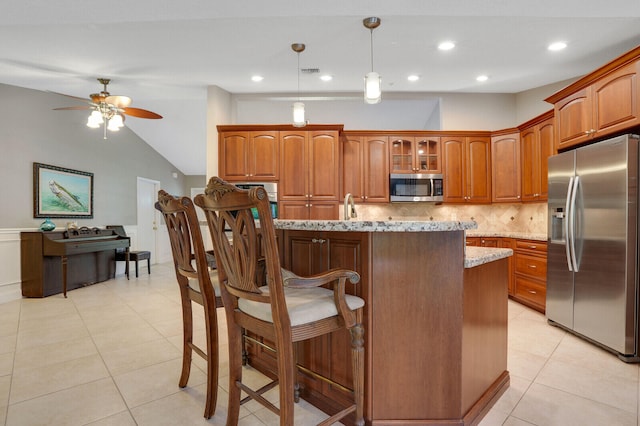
[62,193]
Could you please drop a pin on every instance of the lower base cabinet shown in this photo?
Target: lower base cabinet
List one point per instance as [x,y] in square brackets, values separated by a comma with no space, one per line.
[530,274]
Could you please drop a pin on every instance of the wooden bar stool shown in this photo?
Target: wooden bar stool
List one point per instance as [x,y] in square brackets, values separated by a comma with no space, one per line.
[198,284]
[288,309]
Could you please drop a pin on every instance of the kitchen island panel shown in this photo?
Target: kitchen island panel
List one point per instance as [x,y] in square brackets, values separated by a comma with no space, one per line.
[416,315]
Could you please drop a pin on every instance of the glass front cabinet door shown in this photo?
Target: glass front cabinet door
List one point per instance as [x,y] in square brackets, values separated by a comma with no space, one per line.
[415,154]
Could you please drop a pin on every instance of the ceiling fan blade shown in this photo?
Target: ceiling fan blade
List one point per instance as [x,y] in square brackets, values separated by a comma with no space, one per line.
[140,113]
[74,108]
[70,96]
[118,101]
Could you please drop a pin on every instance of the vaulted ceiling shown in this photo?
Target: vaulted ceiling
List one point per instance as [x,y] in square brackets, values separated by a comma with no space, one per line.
[165,53]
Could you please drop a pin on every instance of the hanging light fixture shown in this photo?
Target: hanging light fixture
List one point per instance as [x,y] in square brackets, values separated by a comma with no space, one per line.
[372,81]
[107,109]
[298,107]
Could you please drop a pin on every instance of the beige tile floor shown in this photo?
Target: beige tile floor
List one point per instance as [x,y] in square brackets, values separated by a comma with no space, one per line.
[110,355]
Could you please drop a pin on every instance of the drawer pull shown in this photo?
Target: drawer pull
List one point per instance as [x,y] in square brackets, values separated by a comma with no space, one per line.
[532,291]
[533,247]
[532,266]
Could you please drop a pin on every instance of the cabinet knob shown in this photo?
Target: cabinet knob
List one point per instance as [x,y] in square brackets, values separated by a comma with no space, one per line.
[318,240]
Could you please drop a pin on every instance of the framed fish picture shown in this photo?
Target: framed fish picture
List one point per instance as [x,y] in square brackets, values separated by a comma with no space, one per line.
[60,192]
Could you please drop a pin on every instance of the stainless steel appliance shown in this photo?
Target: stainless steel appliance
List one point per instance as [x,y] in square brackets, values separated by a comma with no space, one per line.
[592,270]
[415,187]
[272,193]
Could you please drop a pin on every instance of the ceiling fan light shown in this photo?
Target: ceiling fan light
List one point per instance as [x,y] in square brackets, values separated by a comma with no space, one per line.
[298,115]
[372,88]
[95,120]
[115,123]
[92,123]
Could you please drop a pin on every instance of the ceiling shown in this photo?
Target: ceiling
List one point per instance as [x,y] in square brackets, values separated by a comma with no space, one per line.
[164,53]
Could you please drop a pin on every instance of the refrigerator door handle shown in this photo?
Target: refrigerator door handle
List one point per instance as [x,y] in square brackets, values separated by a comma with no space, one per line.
[567,225]
[572,225]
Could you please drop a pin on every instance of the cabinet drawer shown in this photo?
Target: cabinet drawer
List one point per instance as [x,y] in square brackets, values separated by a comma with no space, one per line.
[532,291]
[530,245]
[532,266]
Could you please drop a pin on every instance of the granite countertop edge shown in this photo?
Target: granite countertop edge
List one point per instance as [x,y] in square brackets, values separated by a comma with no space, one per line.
[476,256]
[374,225]
[507,234]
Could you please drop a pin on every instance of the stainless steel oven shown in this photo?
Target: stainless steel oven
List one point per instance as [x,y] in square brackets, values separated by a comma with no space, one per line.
[272,193]
[415,187]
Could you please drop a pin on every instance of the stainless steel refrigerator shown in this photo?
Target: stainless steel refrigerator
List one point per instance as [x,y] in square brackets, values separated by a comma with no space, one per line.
[592,264]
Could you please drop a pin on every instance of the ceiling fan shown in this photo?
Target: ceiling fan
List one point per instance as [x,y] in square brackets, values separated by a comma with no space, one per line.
[109,109]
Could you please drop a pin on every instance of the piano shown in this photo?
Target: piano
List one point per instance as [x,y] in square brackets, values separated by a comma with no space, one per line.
[57,261]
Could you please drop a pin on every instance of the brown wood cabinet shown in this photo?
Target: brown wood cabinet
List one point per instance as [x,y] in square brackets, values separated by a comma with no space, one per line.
[537,142]
[248,155]
[467,169]
[414,154]
[309,173]
[530,274]
[364,167]
[505,165]
[602,103]
[483,241]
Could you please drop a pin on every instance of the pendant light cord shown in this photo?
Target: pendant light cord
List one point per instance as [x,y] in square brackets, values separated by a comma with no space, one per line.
[371,45]
[298,76]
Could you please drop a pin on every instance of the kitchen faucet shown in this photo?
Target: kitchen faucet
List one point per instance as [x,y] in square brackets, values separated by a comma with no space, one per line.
[349,207]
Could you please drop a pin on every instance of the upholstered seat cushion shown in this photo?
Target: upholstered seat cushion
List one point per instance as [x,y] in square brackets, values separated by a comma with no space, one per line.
[305,305]
[213,275]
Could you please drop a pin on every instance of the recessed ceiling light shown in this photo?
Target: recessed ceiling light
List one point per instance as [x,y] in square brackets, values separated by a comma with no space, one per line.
[558,45]
[326,77]
[482,78]
[257,78]
[446,45]
[413,77]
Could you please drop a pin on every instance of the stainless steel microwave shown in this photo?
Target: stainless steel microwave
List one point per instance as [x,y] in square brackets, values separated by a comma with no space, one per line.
[415,187]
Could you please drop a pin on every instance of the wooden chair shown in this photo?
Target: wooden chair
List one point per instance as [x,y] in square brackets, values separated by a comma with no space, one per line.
[285,310]
[198,283]
[134,256]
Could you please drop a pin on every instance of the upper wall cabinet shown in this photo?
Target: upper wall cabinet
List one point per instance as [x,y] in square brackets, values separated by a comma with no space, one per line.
[364,167]
[537,145]
[467,169]
[249,155]
[602,103]
[505,165]
[414,154]
[309,183]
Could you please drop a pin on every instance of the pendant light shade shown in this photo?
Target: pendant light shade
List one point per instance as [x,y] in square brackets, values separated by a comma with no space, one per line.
[298,107]
[372,81]
[372,88]
[298,115]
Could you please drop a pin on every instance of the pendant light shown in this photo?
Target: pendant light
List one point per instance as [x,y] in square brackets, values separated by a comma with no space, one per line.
[298,107]
[372,81]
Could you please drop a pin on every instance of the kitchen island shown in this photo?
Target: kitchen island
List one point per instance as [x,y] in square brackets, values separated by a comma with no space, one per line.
[435,320]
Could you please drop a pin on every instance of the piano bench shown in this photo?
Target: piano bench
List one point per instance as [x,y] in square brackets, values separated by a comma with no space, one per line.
[135,256]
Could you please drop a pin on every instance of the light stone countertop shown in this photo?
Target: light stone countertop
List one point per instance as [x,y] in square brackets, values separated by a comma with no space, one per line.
[476,256]
[374,225]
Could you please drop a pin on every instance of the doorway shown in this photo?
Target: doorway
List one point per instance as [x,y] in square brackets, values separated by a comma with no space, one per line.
[148,216]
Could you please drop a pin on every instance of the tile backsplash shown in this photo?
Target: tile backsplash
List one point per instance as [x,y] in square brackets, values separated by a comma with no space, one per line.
[526,218]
